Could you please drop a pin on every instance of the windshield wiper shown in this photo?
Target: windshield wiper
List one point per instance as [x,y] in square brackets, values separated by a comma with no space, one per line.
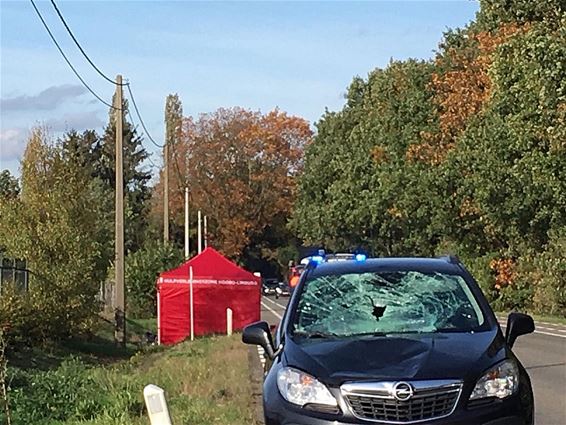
[369,334]
[377,333]
[455,330]
[316,334]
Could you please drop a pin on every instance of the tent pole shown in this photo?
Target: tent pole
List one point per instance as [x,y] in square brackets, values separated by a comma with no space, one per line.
[186,222]
[158,317]
[191,303]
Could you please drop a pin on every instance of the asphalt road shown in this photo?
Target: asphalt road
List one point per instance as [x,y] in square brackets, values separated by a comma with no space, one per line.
[542,353]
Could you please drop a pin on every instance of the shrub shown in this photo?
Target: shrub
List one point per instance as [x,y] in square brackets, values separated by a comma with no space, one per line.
[68,392]
[545,274]
[142,269]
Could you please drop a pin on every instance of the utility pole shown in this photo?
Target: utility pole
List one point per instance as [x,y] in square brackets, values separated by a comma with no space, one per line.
[187,252]
[119,310]
[205,232]
[166,192]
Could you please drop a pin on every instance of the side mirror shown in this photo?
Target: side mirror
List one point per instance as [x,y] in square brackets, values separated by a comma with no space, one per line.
[518,324]
[258,333]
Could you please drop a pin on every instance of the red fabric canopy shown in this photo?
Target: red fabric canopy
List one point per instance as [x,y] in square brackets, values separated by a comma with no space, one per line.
[218,284]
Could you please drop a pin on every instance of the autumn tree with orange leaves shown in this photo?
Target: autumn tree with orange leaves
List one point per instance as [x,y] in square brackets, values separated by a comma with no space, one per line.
[241,168]
[464,153]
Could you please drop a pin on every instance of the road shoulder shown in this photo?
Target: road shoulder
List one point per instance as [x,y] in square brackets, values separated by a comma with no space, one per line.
[256,379]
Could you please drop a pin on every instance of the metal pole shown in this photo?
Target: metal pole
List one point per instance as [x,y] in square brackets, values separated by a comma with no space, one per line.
[205,232]
[119,311]
[187,223]
[158,317]
[199,232]
[192,303]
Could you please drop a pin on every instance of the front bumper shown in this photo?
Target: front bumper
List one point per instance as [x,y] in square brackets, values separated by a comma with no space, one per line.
[291,417]
[507,412]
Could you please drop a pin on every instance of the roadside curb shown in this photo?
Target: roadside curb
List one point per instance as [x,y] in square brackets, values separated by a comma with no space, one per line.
[256,381]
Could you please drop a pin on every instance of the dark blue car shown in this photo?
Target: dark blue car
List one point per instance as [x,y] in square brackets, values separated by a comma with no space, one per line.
[393,341]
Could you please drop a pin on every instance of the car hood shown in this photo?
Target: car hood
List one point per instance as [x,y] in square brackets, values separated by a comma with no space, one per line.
[425,356]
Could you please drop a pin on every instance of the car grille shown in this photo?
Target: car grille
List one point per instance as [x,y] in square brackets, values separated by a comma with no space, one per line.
[425,404]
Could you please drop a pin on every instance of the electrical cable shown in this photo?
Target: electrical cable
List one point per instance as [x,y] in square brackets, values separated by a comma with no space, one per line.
[67,60]
[80,47]
[126,84]
[140,118]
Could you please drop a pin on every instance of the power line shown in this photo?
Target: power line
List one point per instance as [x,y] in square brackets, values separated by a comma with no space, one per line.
[67,60]
[80,47]
[127,84]
[140,118]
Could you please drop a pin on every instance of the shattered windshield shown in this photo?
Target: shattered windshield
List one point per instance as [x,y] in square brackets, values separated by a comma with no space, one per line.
[381,303]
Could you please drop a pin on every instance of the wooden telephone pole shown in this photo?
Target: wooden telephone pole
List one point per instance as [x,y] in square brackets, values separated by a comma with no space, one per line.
[119,309]
[166,192]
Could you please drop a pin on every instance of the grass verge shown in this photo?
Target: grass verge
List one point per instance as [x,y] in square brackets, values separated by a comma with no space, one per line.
[558,320]
[206,382]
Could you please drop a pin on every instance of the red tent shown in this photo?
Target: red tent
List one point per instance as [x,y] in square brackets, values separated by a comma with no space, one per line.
[218,284]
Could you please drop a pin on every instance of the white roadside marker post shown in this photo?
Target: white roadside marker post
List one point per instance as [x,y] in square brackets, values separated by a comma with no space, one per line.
[156,405]
[229,321]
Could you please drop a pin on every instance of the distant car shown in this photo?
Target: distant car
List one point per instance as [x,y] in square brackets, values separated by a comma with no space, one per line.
[269,286]
[283,290]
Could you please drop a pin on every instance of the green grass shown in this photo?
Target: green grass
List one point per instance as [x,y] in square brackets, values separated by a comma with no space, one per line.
[206,381]
[551,319]
[559,320]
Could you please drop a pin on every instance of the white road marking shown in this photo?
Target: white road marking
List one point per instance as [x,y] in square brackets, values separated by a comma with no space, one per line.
[261,352]
[550,329]
[543,333]
[548,323]
[271,310]
[276,303]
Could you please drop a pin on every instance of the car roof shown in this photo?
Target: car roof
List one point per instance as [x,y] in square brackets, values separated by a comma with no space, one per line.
[448,265]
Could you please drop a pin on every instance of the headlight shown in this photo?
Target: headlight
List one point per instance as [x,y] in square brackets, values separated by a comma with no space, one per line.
[301,388]
[500,381]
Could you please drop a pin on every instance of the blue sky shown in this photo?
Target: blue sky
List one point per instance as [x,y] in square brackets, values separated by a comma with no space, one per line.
[298,56]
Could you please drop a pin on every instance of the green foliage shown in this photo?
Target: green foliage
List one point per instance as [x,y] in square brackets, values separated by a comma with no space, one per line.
[136,177]
[68,392]
[545,274]
[77,393]
[63,234]
[9,187]
[142,269]
[496,12]
[358,188]
[492,185]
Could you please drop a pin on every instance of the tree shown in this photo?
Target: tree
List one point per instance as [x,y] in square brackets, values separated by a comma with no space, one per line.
[173,137]
[142,269]
[494,13]
[57,225]
[9,187]
[241,166]
[136,178]
[465,153]
[358,189]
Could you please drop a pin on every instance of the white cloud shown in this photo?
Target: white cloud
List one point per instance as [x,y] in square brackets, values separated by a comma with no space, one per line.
[12,144]
[47,99]
[76,121]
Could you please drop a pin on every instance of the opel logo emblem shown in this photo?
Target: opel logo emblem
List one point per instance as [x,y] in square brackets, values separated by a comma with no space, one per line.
[402,391]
